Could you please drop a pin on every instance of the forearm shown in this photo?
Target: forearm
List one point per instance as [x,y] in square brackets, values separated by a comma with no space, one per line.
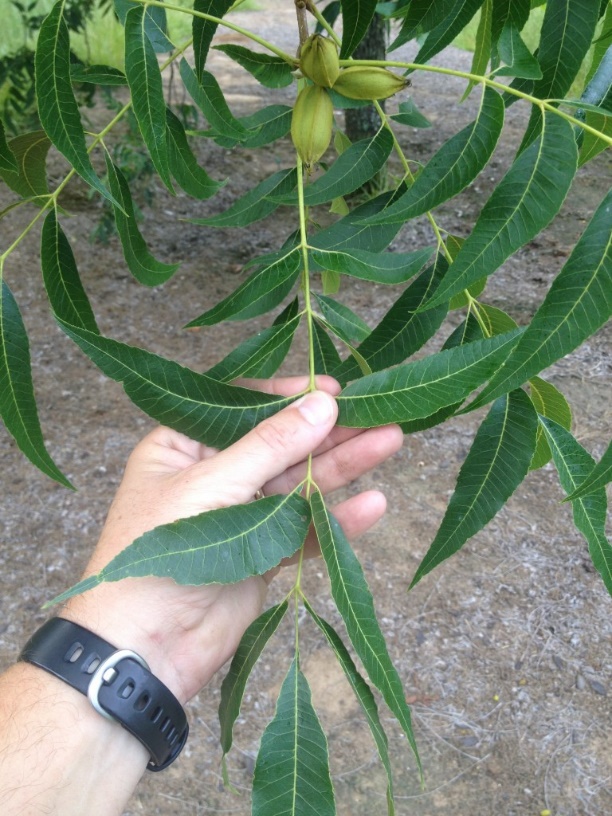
[57,754]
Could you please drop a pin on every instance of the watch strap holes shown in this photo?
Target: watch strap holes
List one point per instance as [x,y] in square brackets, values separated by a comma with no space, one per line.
[74,652]
[157,712]
[127,689]
[143,701]
[92,663]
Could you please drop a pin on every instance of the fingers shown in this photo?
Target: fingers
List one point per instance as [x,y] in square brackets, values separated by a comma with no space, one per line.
[288,386]
[339,465]
[356,516]
[165,450]
[275,444]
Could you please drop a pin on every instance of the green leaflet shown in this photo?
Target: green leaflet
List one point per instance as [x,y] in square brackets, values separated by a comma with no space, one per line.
[454,166]
[145,81]
[519,60]
[155,24]
[352,169]
[339,333]
[597,478]
[410,115]
[567,31]
[97,75]
[482,45]
[29,152]
[515,12]
[270,71]
[351,234]
[603,42]
[261,201]
[184,166]
[13,206]
[573,465]
[260,292]
[265,126]
[361,362]
[210,412]
[209,98]
[8,163]
[364,696]
[496,320]
[61,277]
[466,332]
[526,200]
[216,547]
[548,402]
[420,17]
[17,401]
[326,357]
[379,267]
[258,356]
[331,281]
[143,266]
[403,330]
[453,22]
[57,107]
[343,320]
[354,601]
[497,463]
[430,421]
[421,388]
[577,304]
[204,30]
[356,17]
[462,298]
[247,654]
[292,770]
[592,145]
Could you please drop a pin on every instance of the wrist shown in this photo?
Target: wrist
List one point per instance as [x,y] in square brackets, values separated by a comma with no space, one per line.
[185,634]
[117,682]
[113,621]
[57,754]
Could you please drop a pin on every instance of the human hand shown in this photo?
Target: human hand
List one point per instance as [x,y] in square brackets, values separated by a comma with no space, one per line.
[186,633]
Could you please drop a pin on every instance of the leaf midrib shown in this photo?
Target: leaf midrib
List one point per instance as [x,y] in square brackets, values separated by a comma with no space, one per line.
[399,712]
[10,383]
[553,332]
[203,547]
[183,398]
[427,383]
[596,534]
[510,219]
[484,482]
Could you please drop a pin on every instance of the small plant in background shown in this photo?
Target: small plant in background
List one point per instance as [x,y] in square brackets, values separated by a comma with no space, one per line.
[18,108]
[487,361]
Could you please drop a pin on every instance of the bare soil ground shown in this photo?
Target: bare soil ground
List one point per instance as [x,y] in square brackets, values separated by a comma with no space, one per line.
[504,650]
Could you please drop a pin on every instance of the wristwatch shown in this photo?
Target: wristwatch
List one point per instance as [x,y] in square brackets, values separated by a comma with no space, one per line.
[118,684]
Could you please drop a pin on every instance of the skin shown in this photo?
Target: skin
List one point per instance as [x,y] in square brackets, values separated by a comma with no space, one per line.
[58,755]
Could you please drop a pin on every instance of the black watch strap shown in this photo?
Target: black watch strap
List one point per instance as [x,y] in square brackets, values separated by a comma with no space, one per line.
[118,683]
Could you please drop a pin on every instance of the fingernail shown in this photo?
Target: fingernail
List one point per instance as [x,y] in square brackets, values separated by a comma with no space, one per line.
[316,408]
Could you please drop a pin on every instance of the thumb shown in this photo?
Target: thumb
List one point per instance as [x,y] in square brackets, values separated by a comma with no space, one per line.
[274,445]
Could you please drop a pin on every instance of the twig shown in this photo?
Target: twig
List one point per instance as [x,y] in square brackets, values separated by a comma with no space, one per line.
[301,10]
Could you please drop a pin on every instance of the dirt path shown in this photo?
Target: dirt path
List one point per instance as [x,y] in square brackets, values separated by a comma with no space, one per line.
[504,650]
